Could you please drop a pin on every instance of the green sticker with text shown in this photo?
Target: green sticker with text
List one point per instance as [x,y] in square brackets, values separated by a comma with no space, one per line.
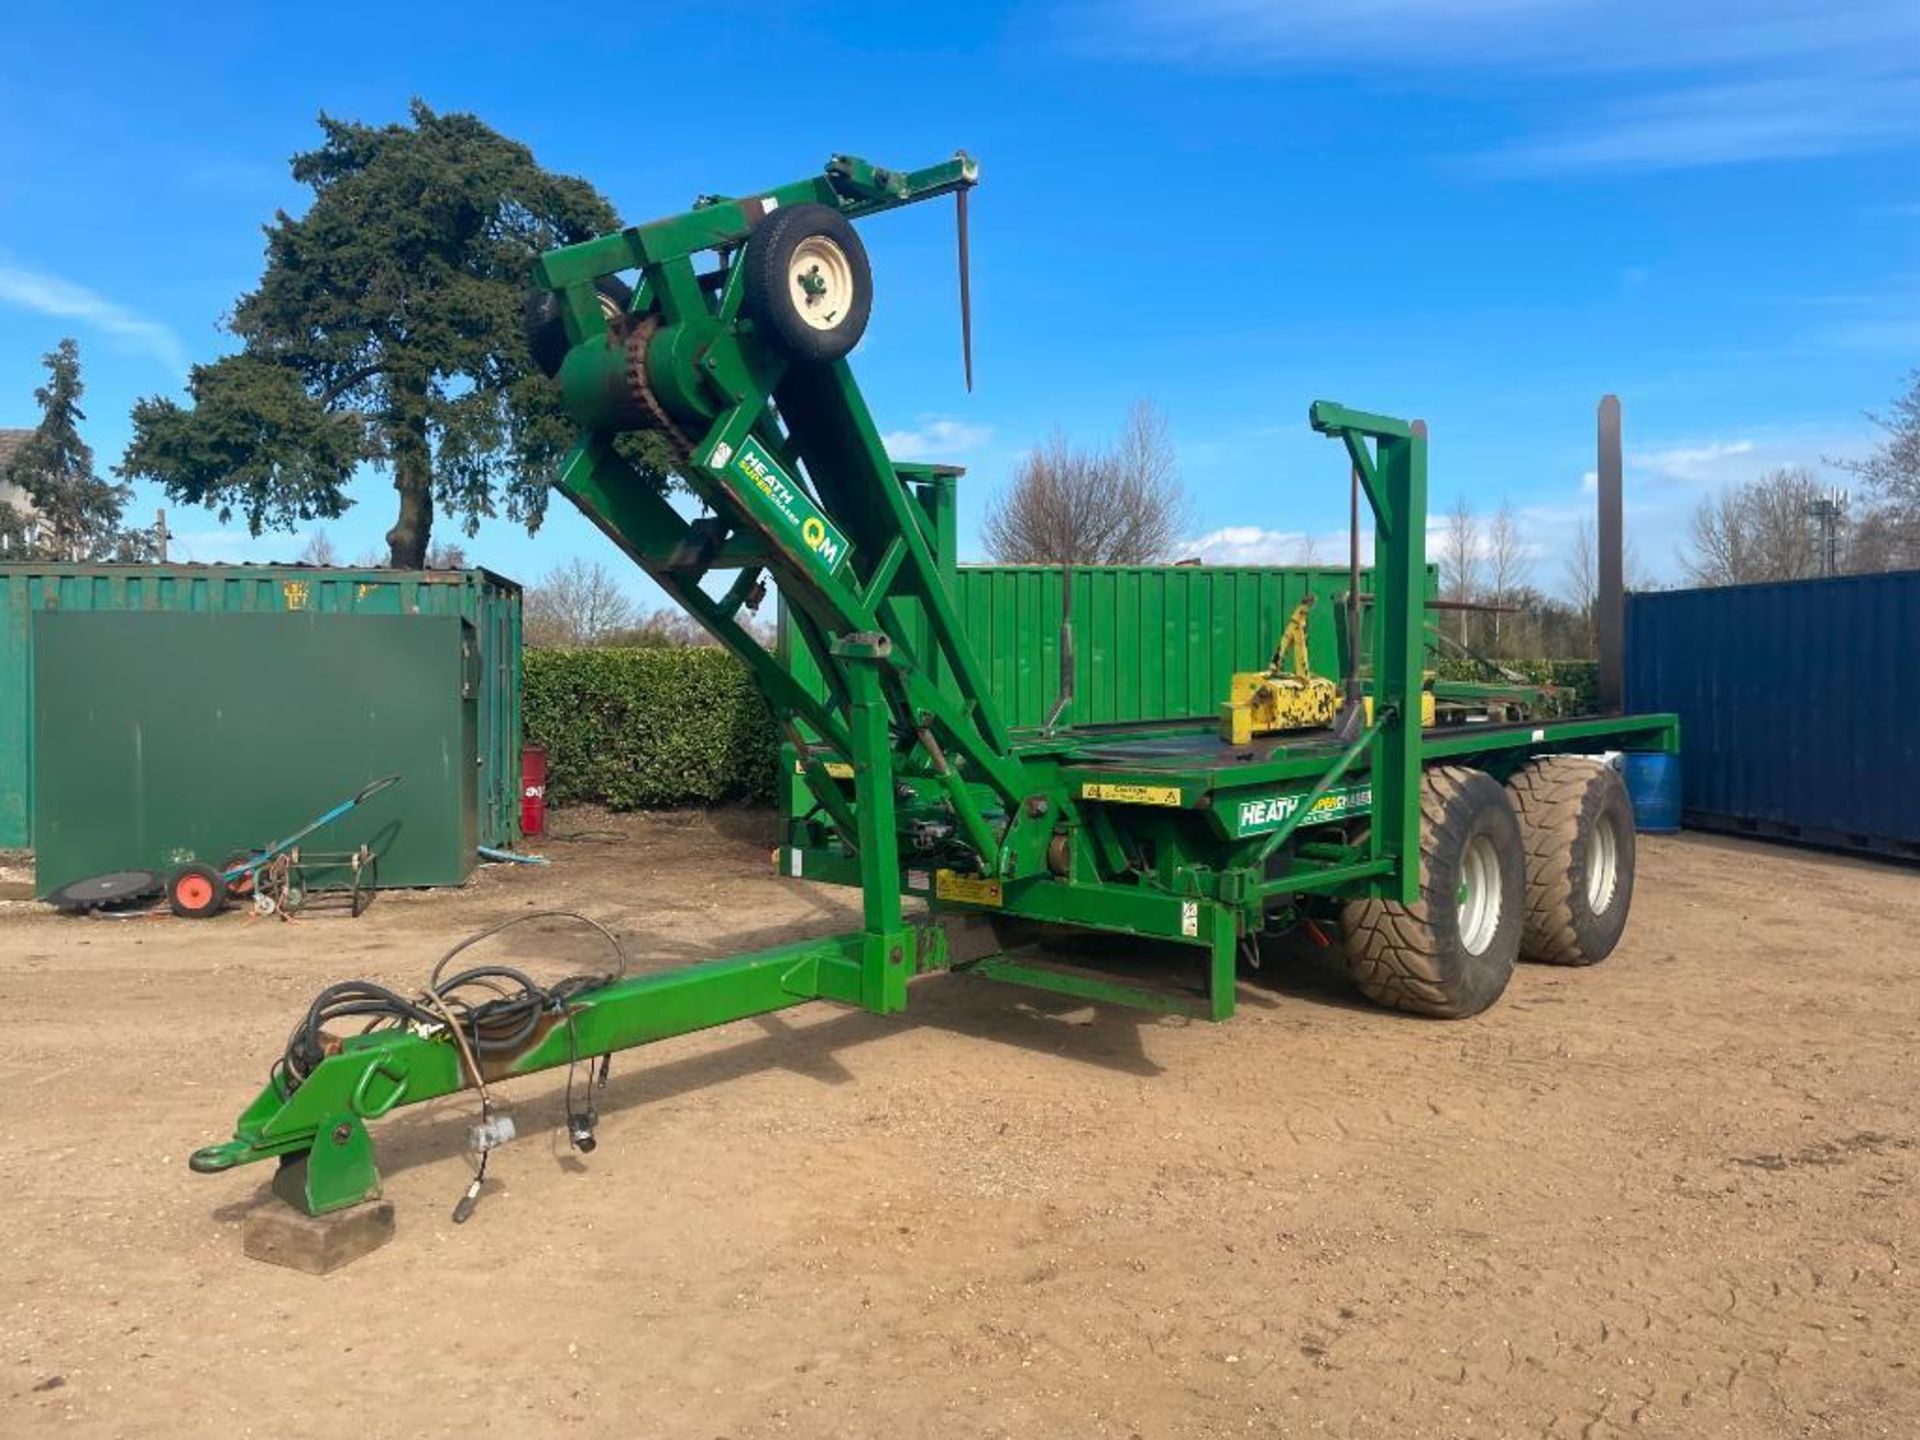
[791,504]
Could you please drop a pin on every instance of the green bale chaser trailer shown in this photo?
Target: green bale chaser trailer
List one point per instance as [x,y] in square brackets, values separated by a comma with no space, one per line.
[1443,854]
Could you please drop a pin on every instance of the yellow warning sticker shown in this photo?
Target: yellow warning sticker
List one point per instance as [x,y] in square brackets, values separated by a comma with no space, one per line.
[1131,794]
[838,769]
[969,889]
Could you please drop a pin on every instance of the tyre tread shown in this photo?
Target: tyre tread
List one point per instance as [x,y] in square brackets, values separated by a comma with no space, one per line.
[1550,797]
[1393,950]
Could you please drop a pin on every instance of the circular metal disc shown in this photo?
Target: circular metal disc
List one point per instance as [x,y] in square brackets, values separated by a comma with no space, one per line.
[97,890]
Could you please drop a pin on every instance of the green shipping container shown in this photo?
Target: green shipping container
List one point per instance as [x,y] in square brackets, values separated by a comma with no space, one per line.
[1150,642]
[489,602]
[168,737]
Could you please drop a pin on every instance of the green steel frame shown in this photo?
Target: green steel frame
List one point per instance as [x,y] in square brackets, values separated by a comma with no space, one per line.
[1156,832]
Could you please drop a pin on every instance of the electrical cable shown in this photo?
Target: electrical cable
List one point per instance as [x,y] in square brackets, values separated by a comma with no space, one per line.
[487,1009]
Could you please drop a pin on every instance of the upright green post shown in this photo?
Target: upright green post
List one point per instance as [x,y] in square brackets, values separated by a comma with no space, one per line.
[1393,472]
[938,494]
[1399,652]
[1223,946]
[884,970]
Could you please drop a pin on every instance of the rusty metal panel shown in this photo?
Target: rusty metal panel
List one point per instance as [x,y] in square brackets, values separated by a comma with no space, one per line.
[1799,706]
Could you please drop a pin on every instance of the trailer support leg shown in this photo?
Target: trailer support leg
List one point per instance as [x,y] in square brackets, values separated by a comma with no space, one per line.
[1223,943]
[336,1173]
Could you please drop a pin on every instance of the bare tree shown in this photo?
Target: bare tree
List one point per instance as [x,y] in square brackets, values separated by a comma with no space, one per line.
[1879,541]
[1460,565]
[1306,551]
[318,551]
[1583,576]
[1763,530]
[674,629]
[1507,566]
[1786,536]
[1123,506]
[1890,531]
[580,603]
[677,628]
[1717,540]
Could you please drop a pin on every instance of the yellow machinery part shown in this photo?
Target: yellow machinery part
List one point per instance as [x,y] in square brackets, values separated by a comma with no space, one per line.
[1426,709]
[1261,704]
[1287,695]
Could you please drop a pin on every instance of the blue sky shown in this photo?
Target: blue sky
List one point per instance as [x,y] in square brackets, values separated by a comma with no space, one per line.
[1486,213]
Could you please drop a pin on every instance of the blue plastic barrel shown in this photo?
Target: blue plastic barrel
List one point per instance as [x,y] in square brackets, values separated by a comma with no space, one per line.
[1653,784]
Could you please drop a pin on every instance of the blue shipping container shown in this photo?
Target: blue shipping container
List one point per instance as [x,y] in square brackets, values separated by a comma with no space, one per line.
[1799,706]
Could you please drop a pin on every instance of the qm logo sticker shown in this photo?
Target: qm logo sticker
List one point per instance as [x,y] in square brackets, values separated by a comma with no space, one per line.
[771,489]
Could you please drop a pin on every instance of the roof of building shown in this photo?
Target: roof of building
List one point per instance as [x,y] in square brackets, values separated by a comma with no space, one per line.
[10,441]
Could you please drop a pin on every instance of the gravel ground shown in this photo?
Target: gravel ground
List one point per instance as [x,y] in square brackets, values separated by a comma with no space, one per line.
[1670,1196]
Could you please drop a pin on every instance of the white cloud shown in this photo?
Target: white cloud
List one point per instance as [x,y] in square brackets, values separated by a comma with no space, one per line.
[1253,545]
[1883,317]
[1771,119]
[1665,480]
[1765,79]
[1899,335]
[936,438]
[233,546]
[1664,484]
[50,295]
[1693,464]
[1561,35]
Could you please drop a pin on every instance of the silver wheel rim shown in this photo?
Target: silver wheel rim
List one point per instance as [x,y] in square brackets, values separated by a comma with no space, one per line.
[1603,865]
[820,281]
[1480,893]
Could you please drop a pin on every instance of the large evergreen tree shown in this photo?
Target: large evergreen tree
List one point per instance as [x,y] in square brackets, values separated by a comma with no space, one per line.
[76,514]
[385,329]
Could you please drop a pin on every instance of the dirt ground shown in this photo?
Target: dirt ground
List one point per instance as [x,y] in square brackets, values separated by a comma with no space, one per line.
[1671,1196]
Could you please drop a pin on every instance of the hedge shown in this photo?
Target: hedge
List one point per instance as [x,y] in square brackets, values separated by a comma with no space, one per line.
[638,728]
[633,728]
[1577,680]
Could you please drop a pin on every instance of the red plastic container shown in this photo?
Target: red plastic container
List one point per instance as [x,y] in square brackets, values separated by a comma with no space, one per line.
[533,790]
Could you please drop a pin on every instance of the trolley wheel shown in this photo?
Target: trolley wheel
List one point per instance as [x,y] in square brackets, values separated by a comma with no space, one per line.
[807,282]
[1452,952]
[241,886]
[1576,822]
[196,891]
[546,332]
[366,881]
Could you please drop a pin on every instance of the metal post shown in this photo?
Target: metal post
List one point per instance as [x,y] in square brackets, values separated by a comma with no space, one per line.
[1610,604]
[1063,702]
[1351,705]
[1827,511]
[1223,955]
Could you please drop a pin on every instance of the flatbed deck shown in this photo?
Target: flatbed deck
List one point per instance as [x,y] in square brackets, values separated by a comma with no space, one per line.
[1196,761]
